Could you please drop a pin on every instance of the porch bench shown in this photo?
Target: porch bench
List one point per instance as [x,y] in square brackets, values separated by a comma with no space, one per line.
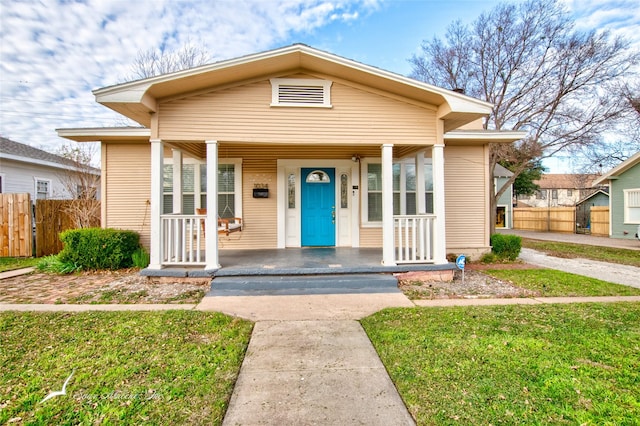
[229,225]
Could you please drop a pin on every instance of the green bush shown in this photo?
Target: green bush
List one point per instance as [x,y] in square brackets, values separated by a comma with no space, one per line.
[97,248]
[53,264]
[506,246]
[140,258]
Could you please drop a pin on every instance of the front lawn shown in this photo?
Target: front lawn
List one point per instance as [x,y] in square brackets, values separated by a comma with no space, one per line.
[172,367]
[549,282]
[11,263]
[543,364]
[569,250]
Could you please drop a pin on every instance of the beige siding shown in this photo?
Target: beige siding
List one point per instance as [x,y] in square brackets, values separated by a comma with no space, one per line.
[126,170]
[370,237]
[466,198]
[244,114]
[259,215]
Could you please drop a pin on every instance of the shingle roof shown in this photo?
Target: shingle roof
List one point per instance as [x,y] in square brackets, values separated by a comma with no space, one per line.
[7,146]
[565,181]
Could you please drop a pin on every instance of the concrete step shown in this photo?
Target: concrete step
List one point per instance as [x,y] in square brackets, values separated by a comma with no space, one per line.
[303,284]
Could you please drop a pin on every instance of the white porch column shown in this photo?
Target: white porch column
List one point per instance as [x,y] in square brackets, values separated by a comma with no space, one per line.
[211,222]
[177,181]
[440,241]
[157,159]
[421,203]
[388,245]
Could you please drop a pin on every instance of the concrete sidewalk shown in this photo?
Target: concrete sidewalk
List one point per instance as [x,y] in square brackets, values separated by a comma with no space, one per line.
[313,372]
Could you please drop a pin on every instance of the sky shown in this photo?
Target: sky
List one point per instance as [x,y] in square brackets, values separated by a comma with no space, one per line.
[53,53]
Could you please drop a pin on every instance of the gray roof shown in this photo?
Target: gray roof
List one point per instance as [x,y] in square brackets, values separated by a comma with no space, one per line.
[7,146]
[500,171]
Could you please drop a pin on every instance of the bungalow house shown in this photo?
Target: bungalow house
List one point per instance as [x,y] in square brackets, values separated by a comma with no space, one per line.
[295,147]
[624,198]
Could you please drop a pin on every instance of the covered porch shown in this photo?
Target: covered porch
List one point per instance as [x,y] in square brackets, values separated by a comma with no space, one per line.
[181,240]
[297,261]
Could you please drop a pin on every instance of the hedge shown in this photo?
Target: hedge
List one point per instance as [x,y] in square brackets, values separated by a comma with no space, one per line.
[98,248]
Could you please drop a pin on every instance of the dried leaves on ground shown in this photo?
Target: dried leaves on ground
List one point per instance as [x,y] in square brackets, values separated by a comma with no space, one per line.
[123,286]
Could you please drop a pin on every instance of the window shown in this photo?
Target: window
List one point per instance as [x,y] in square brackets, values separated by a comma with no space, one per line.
[569,192]
[194,188]
[318,176]
[554,194]
[297,92]
[404,190]
[43,189]
[188,188]
[344,191]
[291,190]
[541,194]
[632,206]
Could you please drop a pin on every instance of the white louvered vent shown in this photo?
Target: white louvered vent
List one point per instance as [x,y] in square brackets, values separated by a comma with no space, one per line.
[300,92]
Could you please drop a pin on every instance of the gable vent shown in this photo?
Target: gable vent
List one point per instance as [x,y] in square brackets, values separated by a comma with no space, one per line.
[300,92]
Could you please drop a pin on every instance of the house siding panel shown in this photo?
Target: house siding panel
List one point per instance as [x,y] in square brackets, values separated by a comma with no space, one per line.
[627,180]
[243,113]
[370,237]
[466,198]
[127,173]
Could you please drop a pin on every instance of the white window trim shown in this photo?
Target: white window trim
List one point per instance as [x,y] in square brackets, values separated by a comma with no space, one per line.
[35,187]
[3,184]
[627,219]
[236,162]
[326,90]
[364,200]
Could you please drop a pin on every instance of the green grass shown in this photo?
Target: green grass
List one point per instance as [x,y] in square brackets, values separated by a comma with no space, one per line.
[549,282]
[11,263]
[172,367]
[569,250]
[544,364]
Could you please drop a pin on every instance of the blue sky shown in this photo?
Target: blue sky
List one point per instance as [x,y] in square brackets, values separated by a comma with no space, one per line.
[54,52]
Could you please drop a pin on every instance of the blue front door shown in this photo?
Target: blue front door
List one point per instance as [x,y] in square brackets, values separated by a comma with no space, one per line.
[318,207]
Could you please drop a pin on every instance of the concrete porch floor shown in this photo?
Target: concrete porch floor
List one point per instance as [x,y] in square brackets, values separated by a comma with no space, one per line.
[297,261]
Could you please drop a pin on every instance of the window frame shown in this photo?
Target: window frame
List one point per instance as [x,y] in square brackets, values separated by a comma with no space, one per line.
[198,183]
[35,187]
[626,205]
[402,191]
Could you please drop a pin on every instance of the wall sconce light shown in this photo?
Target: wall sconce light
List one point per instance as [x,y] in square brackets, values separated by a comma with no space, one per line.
[355,158]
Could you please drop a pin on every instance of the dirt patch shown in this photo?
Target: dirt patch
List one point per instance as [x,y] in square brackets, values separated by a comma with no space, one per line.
[477,284]
[124,286]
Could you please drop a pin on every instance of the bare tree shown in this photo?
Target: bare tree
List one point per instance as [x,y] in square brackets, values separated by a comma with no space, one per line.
[152,62]
[541,75]
[80,182]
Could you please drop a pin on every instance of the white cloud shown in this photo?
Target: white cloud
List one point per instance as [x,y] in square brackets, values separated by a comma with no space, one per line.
[53,53]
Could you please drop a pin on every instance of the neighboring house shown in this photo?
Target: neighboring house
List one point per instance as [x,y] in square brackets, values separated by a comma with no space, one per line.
[25,169]
[504,207]
[624,197]
[583,209]
[307,149]
[560,190]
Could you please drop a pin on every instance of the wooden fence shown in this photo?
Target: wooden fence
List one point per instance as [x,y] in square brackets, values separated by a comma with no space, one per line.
[560,219]
[16,232]
[553,219]
[600,221]
[55,216]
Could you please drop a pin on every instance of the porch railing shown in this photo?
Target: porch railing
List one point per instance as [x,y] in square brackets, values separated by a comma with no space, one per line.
[413,237]
[183,239]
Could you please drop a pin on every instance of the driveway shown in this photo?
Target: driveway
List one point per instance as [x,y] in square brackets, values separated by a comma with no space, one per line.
[631,244]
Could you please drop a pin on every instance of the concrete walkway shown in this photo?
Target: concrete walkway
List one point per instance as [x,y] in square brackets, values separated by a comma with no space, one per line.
[313,372]
[590,240]
[614,273]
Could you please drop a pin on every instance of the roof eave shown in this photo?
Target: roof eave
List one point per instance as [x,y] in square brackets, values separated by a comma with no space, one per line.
[481,137]
[138,99]
[105,134]
[619,169]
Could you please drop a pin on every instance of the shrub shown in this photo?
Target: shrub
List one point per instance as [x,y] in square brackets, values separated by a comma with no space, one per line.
[140,258]
[97,248]
[54,265]
[506,246]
